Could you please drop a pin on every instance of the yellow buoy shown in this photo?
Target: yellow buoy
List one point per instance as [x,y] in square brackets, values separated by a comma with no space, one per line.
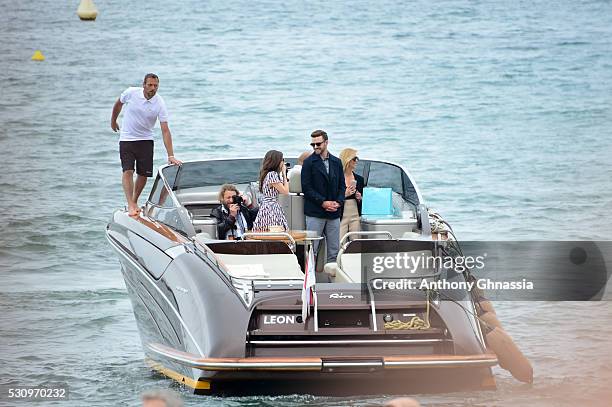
[38,56]
[87,10]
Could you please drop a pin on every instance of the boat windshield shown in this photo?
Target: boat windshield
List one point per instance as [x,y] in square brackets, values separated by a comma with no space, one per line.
[217,172]
[243,171]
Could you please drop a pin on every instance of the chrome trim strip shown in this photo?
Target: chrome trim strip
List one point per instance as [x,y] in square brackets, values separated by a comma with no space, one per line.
[236,365]
[440,363]
[353,364]
[316,310]
[319,365]
[348,342]
[366,233]
[151,282]
[373,306]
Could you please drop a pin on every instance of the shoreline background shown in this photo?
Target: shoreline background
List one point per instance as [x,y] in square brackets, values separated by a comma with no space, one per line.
[500,111]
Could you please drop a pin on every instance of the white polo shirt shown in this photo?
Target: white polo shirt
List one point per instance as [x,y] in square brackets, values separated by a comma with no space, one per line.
[140,114]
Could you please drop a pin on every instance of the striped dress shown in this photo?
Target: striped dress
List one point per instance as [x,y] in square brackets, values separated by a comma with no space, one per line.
[270,212]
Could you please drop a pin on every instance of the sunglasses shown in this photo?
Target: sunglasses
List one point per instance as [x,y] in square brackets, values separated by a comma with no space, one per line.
[355,159]
[313,145]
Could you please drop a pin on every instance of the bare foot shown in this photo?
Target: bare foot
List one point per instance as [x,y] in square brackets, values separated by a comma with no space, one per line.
[133,210]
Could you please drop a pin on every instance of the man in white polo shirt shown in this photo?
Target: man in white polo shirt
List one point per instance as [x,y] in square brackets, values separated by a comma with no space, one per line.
[144,108]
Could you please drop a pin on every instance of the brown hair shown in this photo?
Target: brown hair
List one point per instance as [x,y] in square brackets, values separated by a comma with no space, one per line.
[225,188]
[318,133]
[150,76]
[271,162]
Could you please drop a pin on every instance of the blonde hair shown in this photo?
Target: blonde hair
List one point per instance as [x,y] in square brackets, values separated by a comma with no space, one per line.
[225,188]
[346,155]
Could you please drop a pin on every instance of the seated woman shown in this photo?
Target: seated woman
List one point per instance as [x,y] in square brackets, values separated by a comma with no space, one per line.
[351,210]
[270,217]
[233,216]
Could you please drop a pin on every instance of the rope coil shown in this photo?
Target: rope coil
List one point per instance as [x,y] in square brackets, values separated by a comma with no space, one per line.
[414,323]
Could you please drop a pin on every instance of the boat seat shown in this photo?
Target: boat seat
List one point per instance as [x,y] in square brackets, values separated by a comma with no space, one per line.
[350,272]
[348,266]
[412,235]
[203,237]
[252,191]
[295,181]
[257,259]
[197,195]
[262,266]
[293,203]
[206,228]
[402,221]
[336,274]
[198,202]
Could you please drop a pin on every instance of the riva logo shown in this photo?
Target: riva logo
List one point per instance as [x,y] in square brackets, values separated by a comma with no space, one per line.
[279,319]
[340,296]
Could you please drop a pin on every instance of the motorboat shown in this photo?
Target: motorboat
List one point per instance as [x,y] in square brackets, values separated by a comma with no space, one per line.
[226,316]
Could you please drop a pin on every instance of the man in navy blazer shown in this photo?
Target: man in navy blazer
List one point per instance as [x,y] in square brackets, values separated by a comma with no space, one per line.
[323,187]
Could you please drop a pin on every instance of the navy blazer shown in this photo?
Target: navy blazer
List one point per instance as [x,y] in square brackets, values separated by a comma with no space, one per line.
[319,186]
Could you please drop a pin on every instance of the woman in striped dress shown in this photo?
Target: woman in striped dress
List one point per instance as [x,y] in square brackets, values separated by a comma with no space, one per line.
[270,185]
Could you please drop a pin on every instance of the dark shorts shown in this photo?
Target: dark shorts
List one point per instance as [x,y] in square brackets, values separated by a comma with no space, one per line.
[139,152]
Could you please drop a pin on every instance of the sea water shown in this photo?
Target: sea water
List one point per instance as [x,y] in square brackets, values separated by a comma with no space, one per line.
[500,110]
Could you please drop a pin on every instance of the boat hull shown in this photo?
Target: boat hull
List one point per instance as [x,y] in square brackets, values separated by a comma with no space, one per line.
[197,330]
[323,375]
